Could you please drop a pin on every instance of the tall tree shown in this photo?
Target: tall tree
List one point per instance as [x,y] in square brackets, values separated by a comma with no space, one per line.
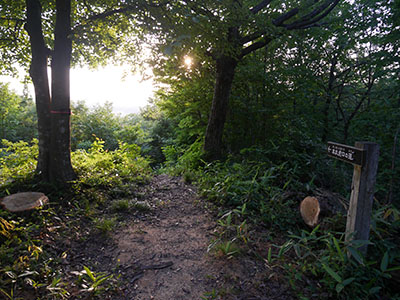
[60,141]
[98,31]
[229,30]
[38,73]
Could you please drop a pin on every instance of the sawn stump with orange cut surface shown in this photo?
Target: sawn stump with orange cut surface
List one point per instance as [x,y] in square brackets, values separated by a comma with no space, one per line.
[309,209]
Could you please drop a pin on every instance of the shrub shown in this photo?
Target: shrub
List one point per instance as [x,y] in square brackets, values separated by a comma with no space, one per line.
[17,160]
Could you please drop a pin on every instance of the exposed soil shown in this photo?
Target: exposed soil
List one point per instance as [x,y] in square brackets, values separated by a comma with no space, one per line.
[162,254]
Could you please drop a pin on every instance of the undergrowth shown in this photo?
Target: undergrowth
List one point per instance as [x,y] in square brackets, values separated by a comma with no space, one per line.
[258,193]
[30,255]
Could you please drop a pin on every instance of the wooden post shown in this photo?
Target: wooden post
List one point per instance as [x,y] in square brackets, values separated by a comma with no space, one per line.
[362,194]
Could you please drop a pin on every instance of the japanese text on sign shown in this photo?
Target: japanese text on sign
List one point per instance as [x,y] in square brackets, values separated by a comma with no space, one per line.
[346,153]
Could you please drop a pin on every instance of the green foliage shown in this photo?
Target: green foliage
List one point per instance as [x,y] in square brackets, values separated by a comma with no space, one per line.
[231,232]
[337,82]
[27,259]
[92,283]
[159,134]
[343,272]
[259,186]
[100,122]
[17,161]
[325,83]
[179,160]
[98,167]
[17,116]
[228,249]
[24,262]
[95,40]
[140,206]
[105,225]
[121,205]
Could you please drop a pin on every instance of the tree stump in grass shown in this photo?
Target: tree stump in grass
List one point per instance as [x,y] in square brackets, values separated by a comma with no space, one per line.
[21,202]
[309,210]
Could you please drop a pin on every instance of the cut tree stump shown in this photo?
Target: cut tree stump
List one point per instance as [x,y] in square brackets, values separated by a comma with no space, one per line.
[309,209]
[21,202]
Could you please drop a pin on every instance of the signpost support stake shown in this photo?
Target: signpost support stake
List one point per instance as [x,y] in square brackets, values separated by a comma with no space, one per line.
[362,194]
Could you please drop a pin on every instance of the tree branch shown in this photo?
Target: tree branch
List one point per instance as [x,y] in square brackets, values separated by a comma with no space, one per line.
[282,18]
[252,37]
[255,46]
[109,13]
[260,6]
[104,15]
[316,11]
[313,17]
[199,10]
[309,20]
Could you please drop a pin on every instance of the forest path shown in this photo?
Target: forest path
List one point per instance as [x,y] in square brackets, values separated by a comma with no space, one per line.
[162,254]
[176,234]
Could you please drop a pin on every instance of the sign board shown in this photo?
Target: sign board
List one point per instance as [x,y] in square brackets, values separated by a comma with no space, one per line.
[346,153]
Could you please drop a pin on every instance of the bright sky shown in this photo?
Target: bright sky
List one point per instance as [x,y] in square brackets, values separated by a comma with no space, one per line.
[128,94]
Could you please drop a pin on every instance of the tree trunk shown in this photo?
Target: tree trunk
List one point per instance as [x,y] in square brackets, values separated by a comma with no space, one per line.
[38,73]
[328,101]
[325,114]
[60,167]
[224,77]
[346,127]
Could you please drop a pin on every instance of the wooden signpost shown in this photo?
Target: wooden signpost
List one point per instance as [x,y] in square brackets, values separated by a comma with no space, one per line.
[364,156]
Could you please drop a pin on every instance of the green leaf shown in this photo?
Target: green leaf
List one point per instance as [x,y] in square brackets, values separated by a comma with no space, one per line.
[269,255]
[360,243]
[385,262]
[339,287]
[332,273]
[285,247]
[99,282]
[394,269]
[356,254]
[337,246]
[315,230]
[348,281]
[89,273]
[374,290]
[297,250]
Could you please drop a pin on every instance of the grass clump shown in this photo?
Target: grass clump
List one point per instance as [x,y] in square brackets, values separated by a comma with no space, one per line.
[105,226]
[125,205]
[142,206]
[228,249]
[121,205]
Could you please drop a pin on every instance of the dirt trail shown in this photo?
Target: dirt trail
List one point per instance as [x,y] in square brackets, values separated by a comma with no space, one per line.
[164,255]
[176,233]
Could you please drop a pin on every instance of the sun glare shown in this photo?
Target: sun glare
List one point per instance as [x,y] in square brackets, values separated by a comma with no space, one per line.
[128,92]
[188,61]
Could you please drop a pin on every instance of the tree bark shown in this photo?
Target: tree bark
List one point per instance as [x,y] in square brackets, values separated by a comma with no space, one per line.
[224,77]
[54,161]
[38,73]
[60,168]
[328,100]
